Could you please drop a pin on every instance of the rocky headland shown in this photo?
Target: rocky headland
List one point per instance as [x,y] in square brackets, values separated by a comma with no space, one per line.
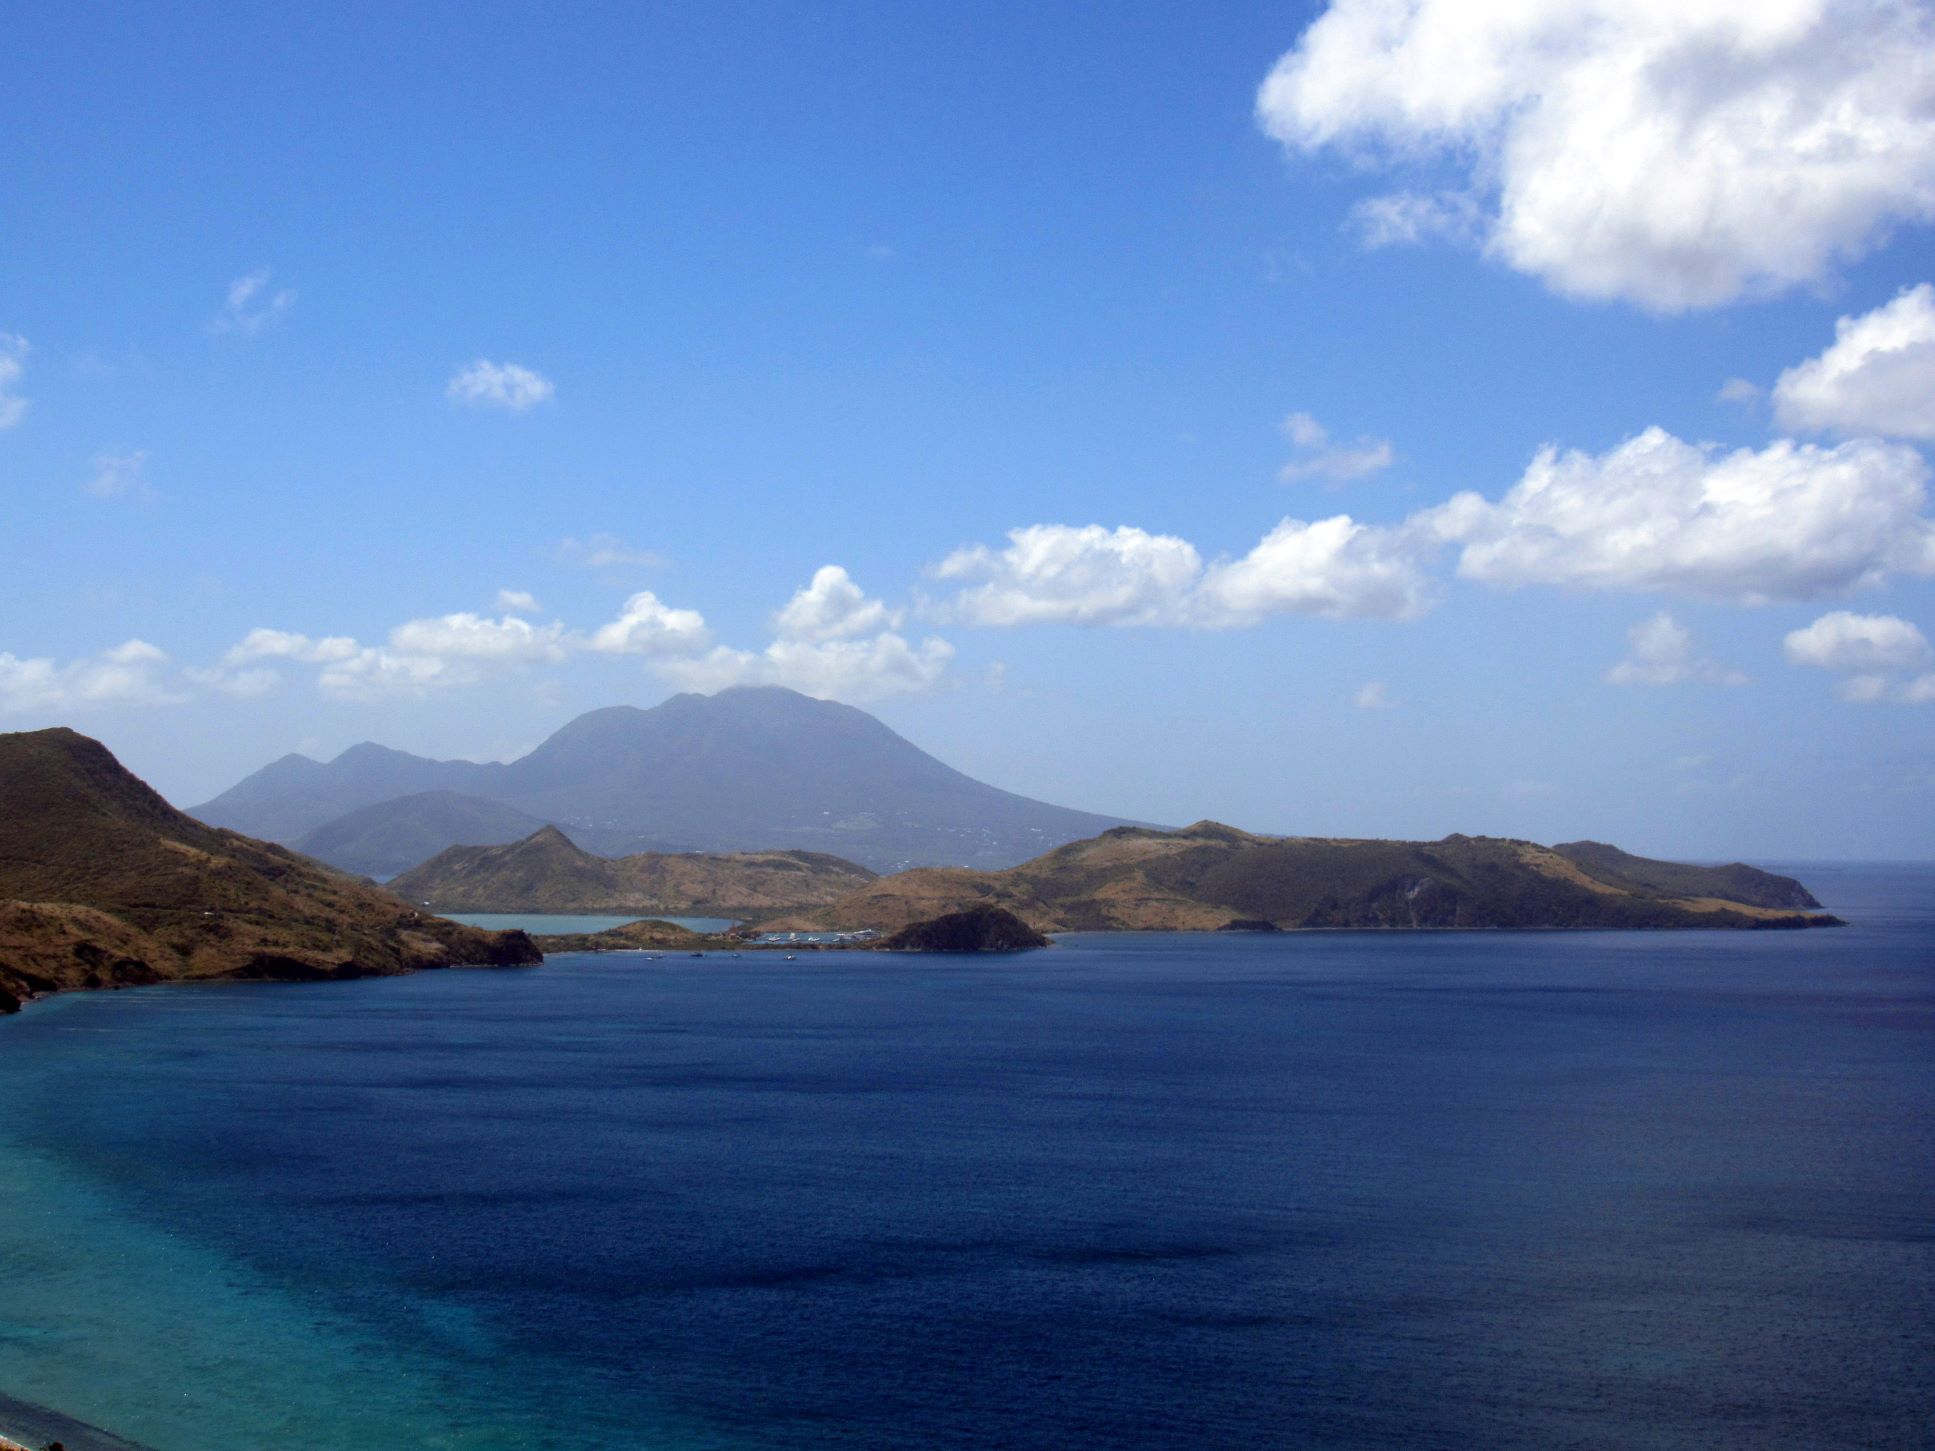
[104,884]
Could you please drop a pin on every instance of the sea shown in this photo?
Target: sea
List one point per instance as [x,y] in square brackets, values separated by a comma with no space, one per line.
[1311,1190]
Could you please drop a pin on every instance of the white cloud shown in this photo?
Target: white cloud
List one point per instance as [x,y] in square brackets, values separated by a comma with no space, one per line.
[1661,651]
[445,652]
[466,636]
[1870,650]
[1878,376]
[1739,392]
[648,626]
[1842,640]
[517,602]
[1674,153]
[1408,218]
[1791,522]
[129,674]
[486,384]
[1089,575]
[118,475]
[833,607]
[1062,574]
[251,305]
[13,366]
[849,670]
[265,644]
[1336,568]
[607,551]
[1373,695]
[1320,458]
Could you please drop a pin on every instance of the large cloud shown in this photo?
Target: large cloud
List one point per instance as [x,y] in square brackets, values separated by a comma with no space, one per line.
[1877,377]
[851,670]
[1790,522]
[1675,153]
[1089,575]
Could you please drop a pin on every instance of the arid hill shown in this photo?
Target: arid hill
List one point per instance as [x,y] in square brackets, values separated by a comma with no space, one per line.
[547,872]
[1207,876]
[102,882]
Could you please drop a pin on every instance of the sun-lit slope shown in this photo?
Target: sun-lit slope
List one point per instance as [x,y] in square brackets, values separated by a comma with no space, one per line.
[1208,875]
[547,872]
[105,882]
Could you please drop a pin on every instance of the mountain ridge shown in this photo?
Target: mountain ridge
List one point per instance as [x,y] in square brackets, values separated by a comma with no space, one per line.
[750,768]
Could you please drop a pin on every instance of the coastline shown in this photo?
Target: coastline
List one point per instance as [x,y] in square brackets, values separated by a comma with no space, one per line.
[30,1427]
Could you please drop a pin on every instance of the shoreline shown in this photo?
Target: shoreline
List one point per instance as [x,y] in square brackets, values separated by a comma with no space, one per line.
[29,1427]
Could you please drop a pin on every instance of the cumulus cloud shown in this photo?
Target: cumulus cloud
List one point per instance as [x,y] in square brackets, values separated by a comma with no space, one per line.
[119,475]
[1063,574]
[849,670]
[1842,640]
[833,607]
[1661,651]
[484,384]
[1089,575]
[1877,377]
[1790,522]
[13,366]
[1739,392]
[517,602]
[1674,155]
[134,673]
[1870,651]
[1320,458]
[419,656]
[252,305]
[649,626]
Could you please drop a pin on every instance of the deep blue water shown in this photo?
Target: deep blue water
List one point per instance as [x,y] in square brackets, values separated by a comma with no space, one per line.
[1667,1190]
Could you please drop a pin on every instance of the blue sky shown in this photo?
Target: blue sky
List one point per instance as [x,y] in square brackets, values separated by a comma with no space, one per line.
[429,374]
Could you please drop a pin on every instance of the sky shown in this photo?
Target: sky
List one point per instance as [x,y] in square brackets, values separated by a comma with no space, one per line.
[1380,418]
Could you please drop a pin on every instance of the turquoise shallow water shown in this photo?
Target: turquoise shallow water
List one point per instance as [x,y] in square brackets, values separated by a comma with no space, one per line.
[1668,1190]
[541,922]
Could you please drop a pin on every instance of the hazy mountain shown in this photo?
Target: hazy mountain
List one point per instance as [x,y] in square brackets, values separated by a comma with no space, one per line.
[752,768]
[103,882]
[547,873]
[289,798]
[394,835]
[1210,876]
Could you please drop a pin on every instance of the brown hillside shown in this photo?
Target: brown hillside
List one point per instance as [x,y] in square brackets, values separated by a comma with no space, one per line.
[1208,875]
[547,872]
[104,882]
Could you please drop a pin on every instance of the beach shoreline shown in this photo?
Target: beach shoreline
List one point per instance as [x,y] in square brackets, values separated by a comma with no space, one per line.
[30,1427]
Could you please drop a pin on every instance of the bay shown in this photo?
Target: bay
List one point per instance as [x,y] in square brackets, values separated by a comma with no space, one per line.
[1669,1190]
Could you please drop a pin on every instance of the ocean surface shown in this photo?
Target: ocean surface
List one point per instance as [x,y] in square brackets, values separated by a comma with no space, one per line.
[1606,1190]
[561,922]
